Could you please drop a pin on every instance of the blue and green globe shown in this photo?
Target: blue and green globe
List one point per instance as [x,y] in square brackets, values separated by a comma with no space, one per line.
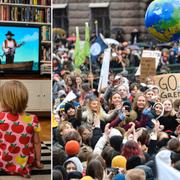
[162,20]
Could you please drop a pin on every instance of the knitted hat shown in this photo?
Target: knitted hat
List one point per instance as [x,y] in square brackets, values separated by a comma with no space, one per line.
[72,148]
[68,106]
[87,178]
[119,162]
[132,162]
[116,142]
[114,132]
[119,177]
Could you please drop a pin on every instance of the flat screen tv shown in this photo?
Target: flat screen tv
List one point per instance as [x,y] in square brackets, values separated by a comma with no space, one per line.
[20,49]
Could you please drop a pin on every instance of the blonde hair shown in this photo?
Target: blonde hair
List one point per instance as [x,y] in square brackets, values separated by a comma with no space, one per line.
[13,97]
[63,126]
[135,174]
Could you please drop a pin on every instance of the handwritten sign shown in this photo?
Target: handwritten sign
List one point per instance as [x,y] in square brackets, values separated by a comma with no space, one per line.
[169,85]
[148,67]
[149,54]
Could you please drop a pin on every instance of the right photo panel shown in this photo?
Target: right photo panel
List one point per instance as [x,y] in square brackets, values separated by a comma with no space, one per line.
[116,89]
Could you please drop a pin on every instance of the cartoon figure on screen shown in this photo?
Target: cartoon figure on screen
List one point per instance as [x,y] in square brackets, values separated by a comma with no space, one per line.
[9,47]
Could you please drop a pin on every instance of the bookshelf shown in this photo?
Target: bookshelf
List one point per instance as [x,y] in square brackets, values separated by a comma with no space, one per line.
[31,12]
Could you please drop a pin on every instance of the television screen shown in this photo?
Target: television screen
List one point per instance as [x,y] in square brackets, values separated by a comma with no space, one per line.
[19,48]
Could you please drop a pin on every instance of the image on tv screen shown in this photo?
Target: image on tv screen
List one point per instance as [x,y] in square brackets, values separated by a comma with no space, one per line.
[19,47]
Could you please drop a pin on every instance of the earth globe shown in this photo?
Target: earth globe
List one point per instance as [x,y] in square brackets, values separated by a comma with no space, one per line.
[162,20]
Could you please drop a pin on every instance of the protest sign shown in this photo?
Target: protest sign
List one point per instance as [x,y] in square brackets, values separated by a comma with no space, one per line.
[148,68]
[169,85]
[149,54]
[103,82]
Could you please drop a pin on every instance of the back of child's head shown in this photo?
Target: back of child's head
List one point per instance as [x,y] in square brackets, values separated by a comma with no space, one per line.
[13,97]
[135,174]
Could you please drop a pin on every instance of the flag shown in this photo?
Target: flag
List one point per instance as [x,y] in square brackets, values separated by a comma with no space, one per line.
[78,59]
[71,96]
[86,48]
[97,48]
[103,81]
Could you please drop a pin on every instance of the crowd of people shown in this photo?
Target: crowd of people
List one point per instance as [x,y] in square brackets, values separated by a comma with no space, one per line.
[125,131]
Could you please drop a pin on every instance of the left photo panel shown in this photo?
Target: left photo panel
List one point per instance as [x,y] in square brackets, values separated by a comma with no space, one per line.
[25,89]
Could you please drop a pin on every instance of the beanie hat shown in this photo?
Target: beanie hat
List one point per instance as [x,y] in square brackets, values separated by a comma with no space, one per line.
[114,132]
[119,177]
[132,162]
[119,162]
[72,148]
[116,142]
[87,178]
[68,106]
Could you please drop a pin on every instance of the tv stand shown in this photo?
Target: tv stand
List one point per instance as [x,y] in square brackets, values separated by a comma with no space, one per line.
[25,66]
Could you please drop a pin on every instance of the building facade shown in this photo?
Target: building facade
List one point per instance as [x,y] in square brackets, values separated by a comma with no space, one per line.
[111,15]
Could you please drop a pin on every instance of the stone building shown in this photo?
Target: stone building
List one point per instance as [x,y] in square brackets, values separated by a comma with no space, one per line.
[112,15]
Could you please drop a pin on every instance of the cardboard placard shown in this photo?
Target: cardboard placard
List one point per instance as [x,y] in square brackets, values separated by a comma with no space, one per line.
[169,85]
[149,54]
[148,67]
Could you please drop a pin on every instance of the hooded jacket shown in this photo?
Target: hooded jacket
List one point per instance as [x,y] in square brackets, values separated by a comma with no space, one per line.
[77,163]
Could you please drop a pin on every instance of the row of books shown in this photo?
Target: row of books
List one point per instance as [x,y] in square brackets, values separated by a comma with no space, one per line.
[45,68]
[25,14]
[31,2]
[46,33]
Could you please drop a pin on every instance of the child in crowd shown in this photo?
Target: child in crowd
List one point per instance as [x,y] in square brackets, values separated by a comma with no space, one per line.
[20,144]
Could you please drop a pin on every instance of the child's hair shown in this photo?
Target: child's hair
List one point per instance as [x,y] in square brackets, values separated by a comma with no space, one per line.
[13,97]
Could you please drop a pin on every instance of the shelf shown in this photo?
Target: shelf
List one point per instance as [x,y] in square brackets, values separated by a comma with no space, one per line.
[25,5]
[45,42]
[27,23]
[46,62]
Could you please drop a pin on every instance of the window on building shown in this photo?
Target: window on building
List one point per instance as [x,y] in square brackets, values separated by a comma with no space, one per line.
[60,18]
[102,16]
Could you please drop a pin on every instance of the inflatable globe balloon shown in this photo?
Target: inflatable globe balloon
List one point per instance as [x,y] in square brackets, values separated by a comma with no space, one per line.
[162,20]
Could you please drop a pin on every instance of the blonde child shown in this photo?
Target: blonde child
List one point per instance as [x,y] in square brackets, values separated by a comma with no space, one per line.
[20,144]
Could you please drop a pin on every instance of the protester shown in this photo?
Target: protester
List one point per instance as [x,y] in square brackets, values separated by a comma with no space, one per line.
[120,129]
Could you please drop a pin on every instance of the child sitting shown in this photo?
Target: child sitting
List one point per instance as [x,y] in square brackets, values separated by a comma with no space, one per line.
[20,144]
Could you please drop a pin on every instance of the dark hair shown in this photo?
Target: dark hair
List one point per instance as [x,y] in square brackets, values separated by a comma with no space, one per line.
[84,153]
[59,156]
[108,154]
[57,175]
[177,165]
[81,129]
[131,87]
[175,157]
[97,157]
[62,170]
[73,135]
[95,169]
[174,145]
[144,137]
[111,106]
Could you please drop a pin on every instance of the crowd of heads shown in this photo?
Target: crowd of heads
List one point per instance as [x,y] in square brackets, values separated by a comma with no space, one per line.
[124,131]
